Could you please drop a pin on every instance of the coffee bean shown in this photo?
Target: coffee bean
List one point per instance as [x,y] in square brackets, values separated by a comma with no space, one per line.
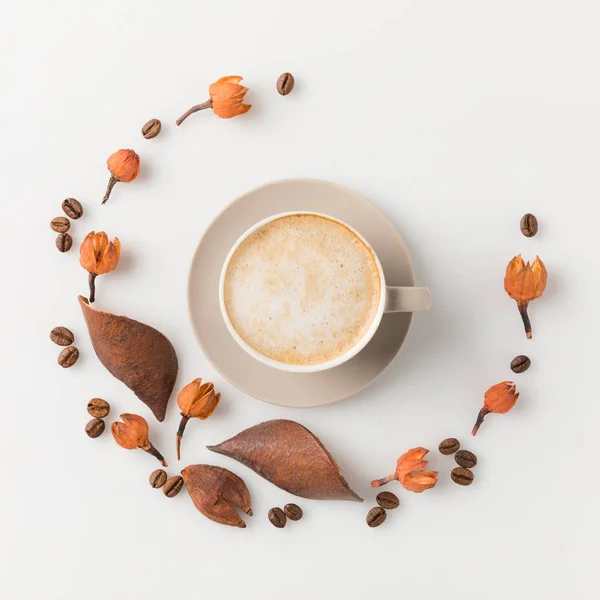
[158,478]
[98,407]
[68,357]
[376,516]
[462,476]
[277,517]
[72,208]
[285,83]
[95,428]
[64,242]
[387,500]
[449,446]
[62,336]
[529,225]
[151,129]
[465,459]
[60,224]
[293,512]
[172,486]
[520,364]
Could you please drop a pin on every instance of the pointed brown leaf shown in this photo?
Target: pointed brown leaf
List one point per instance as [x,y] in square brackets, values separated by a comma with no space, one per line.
[291,457]
[136,354]
[216,491]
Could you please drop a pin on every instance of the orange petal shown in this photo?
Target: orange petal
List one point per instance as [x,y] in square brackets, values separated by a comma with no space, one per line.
[419,482]
[225,110]
[540,276]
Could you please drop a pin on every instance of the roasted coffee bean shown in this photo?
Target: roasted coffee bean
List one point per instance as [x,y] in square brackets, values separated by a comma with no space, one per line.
[462,476]
[277,517]
[62,336]
[285,83]
[387,500]
[151,129]
[68,357]
[64,242]
[95,428]
[60,224]
[449,446]
[520,364]
[465,459]
[158,478]
[529,225]
[293,512]
[376,516]
[72,208]
[172,486]
[98,407]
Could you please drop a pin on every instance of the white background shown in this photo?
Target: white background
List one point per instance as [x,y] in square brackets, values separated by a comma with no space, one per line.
[455,118]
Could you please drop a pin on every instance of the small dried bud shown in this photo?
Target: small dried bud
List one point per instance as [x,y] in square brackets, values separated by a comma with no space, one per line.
[500,398]
[196,400]
[226,99]
[124,166]
[151,129]
[409,472]
[524,283]
[133,433]
[98,255]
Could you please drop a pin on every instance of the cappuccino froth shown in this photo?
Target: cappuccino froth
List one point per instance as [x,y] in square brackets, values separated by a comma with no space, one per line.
[302,289]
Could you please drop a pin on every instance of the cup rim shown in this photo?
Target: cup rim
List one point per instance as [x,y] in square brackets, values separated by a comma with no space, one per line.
[351,352]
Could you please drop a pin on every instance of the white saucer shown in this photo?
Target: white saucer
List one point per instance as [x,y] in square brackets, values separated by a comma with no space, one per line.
[239,368]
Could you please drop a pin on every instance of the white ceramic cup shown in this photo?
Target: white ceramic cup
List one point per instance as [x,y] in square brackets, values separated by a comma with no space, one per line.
[392,299]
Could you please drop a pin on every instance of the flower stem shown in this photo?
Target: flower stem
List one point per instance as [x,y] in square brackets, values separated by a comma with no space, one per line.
[383,481]
[194,109]
[152,450]
[482,413]
[92,282]
[525,317]
[109,187]
[182,424]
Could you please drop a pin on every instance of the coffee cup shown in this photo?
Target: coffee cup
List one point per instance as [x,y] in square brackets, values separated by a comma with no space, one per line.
[305,292]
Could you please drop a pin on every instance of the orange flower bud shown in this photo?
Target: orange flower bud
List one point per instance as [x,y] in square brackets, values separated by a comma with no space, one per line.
[133,434]
[98,255]
[226,99]
[500,398]
[196,400]
[124,166]
[524,283]
[409,472]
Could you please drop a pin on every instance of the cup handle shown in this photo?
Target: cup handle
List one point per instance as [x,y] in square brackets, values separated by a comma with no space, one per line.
[407,299]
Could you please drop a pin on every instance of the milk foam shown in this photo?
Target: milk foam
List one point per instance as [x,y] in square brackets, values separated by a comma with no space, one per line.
[302,290]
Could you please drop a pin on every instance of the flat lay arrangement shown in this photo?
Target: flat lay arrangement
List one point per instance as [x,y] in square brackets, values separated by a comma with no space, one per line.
[302,293]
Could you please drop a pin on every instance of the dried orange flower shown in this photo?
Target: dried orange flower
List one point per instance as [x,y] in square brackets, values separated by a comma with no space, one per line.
[133,434]
[409,472]
[500,398]
[98,255]
[196,400]
[124,165]
[524,283]
[226,99]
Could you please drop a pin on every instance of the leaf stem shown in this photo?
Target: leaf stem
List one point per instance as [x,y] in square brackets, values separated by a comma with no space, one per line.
[182,424]
[111,184]
[525,317]
[92,282]
[194,109]
[482,413]
[152,450]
